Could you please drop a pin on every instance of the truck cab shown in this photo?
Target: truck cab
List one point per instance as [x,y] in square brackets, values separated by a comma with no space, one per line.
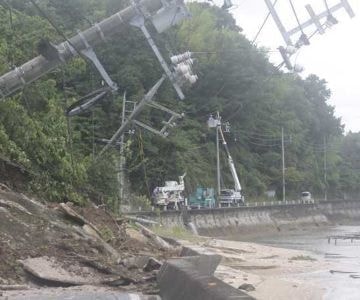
[230,197]
[306,197]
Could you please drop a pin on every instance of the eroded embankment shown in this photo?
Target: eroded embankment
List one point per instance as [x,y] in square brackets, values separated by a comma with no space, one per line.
[250,220]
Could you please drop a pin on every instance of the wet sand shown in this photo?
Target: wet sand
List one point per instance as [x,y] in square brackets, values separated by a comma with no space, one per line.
[277,272]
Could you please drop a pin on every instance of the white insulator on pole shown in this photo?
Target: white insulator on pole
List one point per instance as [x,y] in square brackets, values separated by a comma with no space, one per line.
[181,57]
[183,68]
[291,50]
[191,78]
[189,61]
[298,68]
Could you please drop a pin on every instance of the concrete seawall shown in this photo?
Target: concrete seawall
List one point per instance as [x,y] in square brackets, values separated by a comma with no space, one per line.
[226,221]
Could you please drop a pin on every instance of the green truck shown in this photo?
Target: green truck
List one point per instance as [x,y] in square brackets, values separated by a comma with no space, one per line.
[202,198]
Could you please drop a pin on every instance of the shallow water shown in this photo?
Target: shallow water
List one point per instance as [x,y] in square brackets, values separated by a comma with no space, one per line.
[342,281]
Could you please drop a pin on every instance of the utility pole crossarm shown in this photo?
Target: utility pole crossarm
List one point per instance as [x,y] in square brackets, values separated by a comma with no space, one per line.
[138,108]
[39,66]
[343,4]
[314,19]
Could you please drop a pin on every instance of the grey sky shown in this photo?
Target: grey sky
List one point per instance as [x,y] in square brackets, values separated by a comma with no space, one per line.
[334,56]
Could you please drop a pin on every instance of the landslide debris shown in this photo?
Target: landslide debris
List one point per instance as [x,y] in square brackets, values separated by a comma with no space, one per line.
[62,245]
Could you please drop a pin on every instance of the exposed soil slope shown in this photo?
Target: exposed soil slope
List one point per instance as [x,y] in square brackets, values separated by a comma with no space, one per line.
[95,248]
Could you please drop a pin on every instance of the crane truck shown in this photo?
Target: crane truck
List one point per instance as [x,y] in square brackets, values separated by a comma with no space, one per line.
[229,197]
[204,197]
[170,196]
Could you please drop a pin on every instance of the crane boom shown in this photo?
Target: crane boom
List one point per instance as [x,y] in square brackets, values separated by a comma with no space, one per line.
[237,185]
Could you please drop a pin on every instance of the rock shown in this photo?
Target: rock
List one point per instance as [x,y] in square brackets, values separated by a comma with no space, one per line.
[152,264]
[247,287]
[145,263]
[49,269]
[136,235]
[90,231]
[11,204]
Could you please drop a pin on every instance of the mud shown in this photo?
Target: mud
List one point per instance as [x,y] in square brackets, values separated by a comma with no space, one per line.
[33,230]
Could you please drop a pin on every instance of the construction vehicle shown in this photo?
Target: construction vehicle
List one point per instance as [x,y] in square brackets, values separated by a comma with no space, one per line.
[202,198]
[226,196]
[230,197]
[170,196]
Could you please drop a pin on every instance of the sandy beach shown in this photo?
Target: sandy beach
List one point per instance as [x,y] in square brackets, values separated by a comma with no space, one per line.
[275,273]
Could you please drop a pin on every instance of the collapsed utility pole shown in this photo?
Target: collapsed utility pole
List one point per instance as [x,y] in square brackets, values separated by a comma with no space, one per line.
[182,74]
[162,13]
[316,20]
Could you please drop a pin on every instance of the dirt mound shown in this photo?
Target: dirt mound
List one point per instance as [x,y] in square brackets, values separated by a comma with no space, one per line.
[88,241]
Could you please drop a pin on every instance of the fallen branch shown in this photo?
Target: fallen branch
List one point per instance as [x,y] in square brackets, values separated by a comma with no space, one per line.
[161,243]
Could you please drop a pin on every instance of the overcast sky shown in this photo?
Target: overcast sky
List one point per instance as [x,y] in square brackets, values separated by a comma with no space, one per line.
[334,56]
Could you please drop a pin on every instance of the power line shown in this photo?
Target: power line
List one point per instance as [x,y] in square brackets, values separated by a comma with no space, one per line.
[231,50]
[253,133]
[263,24]
[296,16]
[327,6]
[57,29]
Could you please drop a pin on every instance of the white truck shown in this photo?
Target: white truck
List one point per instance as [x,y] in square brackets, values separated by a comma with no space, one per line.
[170,196]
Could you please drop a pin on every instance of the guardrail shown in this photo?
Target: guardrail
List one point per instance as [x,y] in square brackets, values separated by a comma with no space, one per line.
[239,206]
[247,205]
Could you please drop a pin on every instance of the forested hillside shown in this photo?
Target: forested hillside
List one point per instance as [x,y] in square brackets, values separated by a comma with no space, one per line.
[235,78]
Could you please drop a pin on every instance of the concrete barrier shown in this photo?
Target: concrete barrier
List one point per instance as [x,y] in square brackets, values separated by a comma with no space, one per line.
[248,219]
[192,278]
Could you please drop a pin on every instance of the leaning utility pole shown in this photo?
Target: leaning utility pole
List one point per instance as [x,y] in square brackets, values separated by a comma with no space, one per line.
[321,21]
[162,13]
[283,162]
[315,19]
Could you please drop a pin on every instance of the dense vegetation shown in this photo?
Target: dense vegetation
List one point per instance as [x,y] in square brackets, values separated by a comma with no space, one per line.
[235,78]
